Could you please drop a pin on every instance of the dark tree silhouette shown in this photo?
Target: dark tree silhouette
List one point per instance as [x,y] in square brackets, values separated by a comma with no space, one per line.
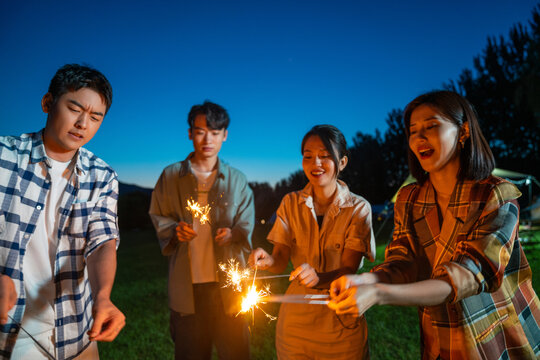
[504,87]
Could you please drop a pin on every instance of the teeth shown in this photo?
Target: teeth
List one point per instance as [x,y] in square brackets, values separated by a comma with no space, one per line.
[317,172]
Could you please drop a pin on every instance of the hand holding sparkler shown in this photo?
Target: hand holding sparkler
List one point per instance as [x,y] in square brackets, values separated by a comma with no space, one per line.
[260,259]
[8,297]
[184,232]
[223,236]
[306,274]
[353,294]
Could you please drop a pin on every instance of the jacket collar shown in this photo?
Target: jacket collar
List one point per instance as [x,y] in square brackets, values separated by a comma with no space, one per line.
[186,167]
[458,205]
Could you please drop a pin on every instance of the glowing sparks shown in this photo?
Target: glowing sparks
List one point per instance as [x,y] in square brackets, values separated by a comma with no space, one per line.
[198,211]
[235,275]
[253,298]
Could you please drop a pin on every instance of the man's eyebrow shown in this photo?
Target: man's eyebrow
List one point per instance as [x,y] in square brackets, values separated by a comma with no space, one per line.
[76,103]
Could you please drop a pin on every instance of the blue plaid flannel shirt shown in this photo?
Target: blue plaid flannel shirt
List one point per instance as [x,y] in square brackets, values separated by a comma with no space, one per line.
[87,220]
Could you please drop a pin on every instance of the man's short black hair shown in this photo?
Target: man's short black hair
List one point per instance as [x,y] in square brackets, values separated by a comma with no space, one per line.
[217,117]
[72,77]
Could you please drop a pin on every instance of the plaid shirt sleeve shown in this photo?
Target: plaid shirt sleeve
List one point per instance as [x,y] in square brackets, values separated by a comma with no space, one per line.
[400,264]
[102,224]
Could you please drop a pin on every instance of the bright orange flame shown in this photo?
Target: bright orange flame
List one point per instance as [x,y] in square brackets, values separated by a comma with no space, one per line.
[198,211]
[253,298]
[235,276]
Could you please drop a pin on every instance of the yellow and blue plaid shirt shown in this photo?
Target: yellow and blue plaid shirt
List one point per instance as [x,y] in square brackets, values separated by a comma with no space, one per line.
[493,311]
[87,219]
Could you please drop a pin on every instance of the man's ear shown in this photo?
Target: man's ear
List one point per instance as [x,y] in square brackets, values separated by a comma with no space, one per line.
[225,133]
[189,134]
[46,103]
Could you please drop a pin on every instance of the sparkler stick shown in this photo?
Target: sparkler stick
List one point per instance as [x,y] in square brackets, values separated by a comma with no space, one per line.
[198,211]
[33,338]
[272,277]
[311,299]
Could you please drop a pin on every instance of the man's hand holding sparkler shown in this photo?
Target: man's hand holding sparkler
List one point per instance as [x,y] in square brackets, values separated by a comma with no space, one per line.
[185,232]
[306,274]
[8,297]
[223,236]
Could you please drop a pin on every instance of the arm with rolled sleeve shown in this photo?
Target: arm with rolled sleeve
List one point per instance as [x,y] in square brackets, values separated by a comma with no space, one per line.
[103,222]
[244,219]
[400,264]
[100,254]
[162,217]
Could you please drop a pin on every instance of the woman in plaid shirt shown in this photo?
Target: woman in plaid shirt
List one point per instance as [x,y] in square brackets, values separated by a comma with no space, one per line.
[455,251]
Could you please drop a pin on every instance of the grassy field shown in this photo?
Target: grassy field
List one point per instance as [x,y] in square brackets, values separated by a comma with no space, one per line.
[140,292]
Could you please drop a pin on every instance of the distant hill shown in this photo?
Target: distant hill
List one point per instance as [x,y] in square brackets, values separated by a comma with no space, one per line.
[125,189]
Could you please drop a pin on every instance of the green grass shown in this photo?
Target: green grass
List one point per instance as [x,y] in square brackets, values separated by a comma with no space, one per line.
[140,291]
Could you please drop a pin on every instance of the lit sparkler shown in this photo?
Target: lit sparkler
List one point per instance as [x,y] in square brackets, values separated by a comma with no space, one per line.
[198,211]
[235,275]
[253,298]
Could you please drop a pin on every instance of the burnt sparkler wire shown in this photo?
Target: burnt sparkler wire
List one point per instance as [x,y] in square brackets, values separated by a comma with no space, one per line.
[33,338]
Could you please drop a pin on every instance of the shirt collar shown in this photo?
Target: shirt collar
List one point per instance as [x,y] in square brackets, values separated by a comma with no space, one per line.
[457,206]
[186,167]
[38,154]
[342,199]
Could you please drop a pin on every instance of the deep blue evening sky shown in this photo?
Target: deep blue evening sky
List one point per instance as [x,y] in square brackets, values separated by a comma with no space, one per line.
[279,67]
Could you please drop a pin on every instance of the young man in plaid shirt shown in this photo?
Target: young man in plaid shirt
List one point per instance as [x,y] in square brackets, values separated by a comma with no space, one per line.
[58,228]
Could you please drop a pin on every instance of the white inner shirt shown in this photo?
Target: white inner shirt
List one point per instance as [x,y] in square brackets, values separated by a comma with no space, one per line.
[203,263]
[38,266]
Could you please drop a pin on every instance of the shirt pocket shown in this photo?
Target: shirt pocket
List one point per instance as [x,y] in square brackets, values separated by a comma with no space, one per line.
[226,209]
[79,219]
[333,249]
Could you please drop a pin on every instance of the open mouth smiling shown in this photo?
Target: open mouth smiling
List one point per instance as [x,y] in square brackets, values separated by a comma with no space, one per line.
[425,153]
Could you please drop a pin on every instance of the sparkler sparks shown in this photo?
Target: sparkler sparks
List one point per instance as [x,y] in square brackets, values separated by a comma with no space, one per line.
[235,275]
[198,211]
[253,298]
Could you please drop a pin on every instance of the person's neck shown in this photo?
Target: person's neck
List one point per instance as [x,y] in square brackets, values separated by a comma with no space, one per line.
[203,164]
[323,196]
[57,153]
[444,186]
[444,182]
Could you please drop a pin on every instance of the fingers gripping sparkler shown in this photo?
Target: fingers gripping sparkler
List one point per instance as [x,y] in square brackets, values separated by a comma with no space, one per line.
[198,211]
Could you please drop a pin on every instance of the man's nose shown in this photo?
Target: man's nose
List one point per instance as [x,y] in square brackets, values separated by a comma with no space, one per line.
[82,121]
